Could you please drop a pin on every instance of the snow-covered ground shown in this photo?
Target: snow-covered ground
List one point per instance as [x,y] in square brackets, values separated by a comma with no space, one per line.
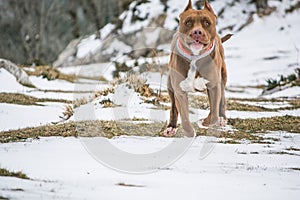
[61,168]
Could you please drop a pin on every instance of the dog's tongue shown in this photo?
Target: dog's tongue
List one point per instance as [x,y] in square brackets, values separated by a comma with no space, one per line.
[197,46]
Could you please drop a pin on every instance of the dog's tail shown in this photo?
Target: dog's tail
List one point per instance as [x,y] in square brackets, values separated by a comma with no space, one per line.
[226,37]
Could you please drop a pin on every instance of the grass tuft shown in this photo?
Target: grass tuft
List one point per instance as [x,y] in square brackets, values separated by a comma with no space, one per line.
[263,125]
[5,172]
[50,73]
[22,99]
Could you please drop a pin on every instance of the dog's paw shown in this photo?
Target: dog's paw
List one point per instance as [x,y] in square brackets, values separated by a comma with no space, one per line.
[200,84]
[187,85]
[222,122]
[170,132]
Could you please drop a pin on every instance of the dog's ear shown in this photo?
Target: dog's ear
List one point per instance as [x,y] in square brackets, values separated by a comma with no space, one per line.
[189,6]
[209,8]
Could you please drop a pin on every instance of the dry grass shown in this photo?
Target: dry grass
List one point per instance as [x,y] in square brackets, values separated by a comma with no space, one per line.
[22,99]
[235,105]
[263,125]
[50,73]
[101,128]
[64,130]
[86,100]
[292,149]
[295,168]
[231,137]
[5,172]
[136,82]
[201,102]
[246,129]
[129,185]
[107,103]
[68,112]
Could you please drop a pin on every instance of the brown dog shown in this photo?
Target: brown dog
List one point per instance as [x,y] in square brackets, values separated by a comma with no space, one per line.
[197,63]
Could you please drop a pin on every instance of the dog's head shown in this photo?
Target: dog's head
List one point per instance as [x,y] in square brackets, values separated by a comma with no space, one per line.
[198,28]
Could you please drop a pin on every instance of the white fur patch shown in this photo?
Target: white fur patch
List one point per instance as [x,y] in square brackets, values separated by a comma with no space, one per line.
[190,83]
[187,85]
[195,51]
[200,83]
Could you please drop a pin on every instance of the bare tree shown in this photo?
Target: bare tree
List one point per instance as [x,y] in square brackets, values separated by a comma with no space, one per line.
[38,30]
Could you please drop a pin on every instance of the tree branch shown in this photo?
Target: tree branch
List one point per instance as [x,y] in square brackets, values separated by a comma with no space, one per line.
[17,72]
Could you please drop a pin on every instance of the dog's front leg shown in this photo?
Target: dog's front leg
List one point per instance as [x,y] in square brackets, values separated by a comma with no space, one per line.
[214,95]
[182,105]
[174,110]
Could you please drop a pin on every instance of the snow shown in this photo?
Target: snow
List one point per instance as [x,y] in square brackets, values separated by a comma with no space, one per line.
[9,83]
[247,52]
[117,46]
[270,105]
[289,92]
[242,92]
[232,170]
[88,45]
[156,80]
[106,30]
[19,116]
[129,105]
[173,12]
[61,168]
[152,37]
[145,11]
[93,70]
[44,84]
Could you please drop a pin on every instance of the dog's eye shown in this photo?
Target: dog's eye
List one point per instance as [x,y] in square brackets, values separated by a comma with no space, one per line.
[206,23]
[189,22]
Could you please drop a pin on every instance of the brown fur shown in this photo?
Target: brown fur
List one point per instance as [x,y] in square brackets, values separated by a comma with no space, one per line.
[212,68]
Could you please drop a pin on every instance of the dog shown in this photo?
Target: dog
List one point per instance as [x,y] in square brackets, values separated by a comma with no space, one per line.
[197,64]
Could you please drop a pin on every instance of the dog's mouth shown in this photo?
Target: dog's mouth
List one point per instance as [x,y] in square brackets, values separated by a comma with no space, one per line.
[197,45]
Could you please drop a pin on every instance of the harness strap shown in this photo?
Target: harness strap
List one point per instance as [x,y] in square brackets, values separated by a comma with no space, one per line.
[190,57]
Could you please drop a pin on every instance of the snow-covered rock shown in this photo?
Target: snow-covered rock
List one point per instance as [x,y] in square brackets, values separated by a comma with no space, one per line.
[145,25]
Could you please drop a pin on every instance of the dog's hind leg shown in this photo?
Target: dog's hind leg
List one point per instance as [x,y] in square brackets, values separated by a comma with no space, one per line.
[206,121]
[223,99]
[214,95]
[222,103]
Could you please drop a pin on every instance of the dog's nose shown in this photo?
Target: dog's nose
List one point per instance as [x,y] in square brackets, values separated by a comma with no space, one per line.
[197,32]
